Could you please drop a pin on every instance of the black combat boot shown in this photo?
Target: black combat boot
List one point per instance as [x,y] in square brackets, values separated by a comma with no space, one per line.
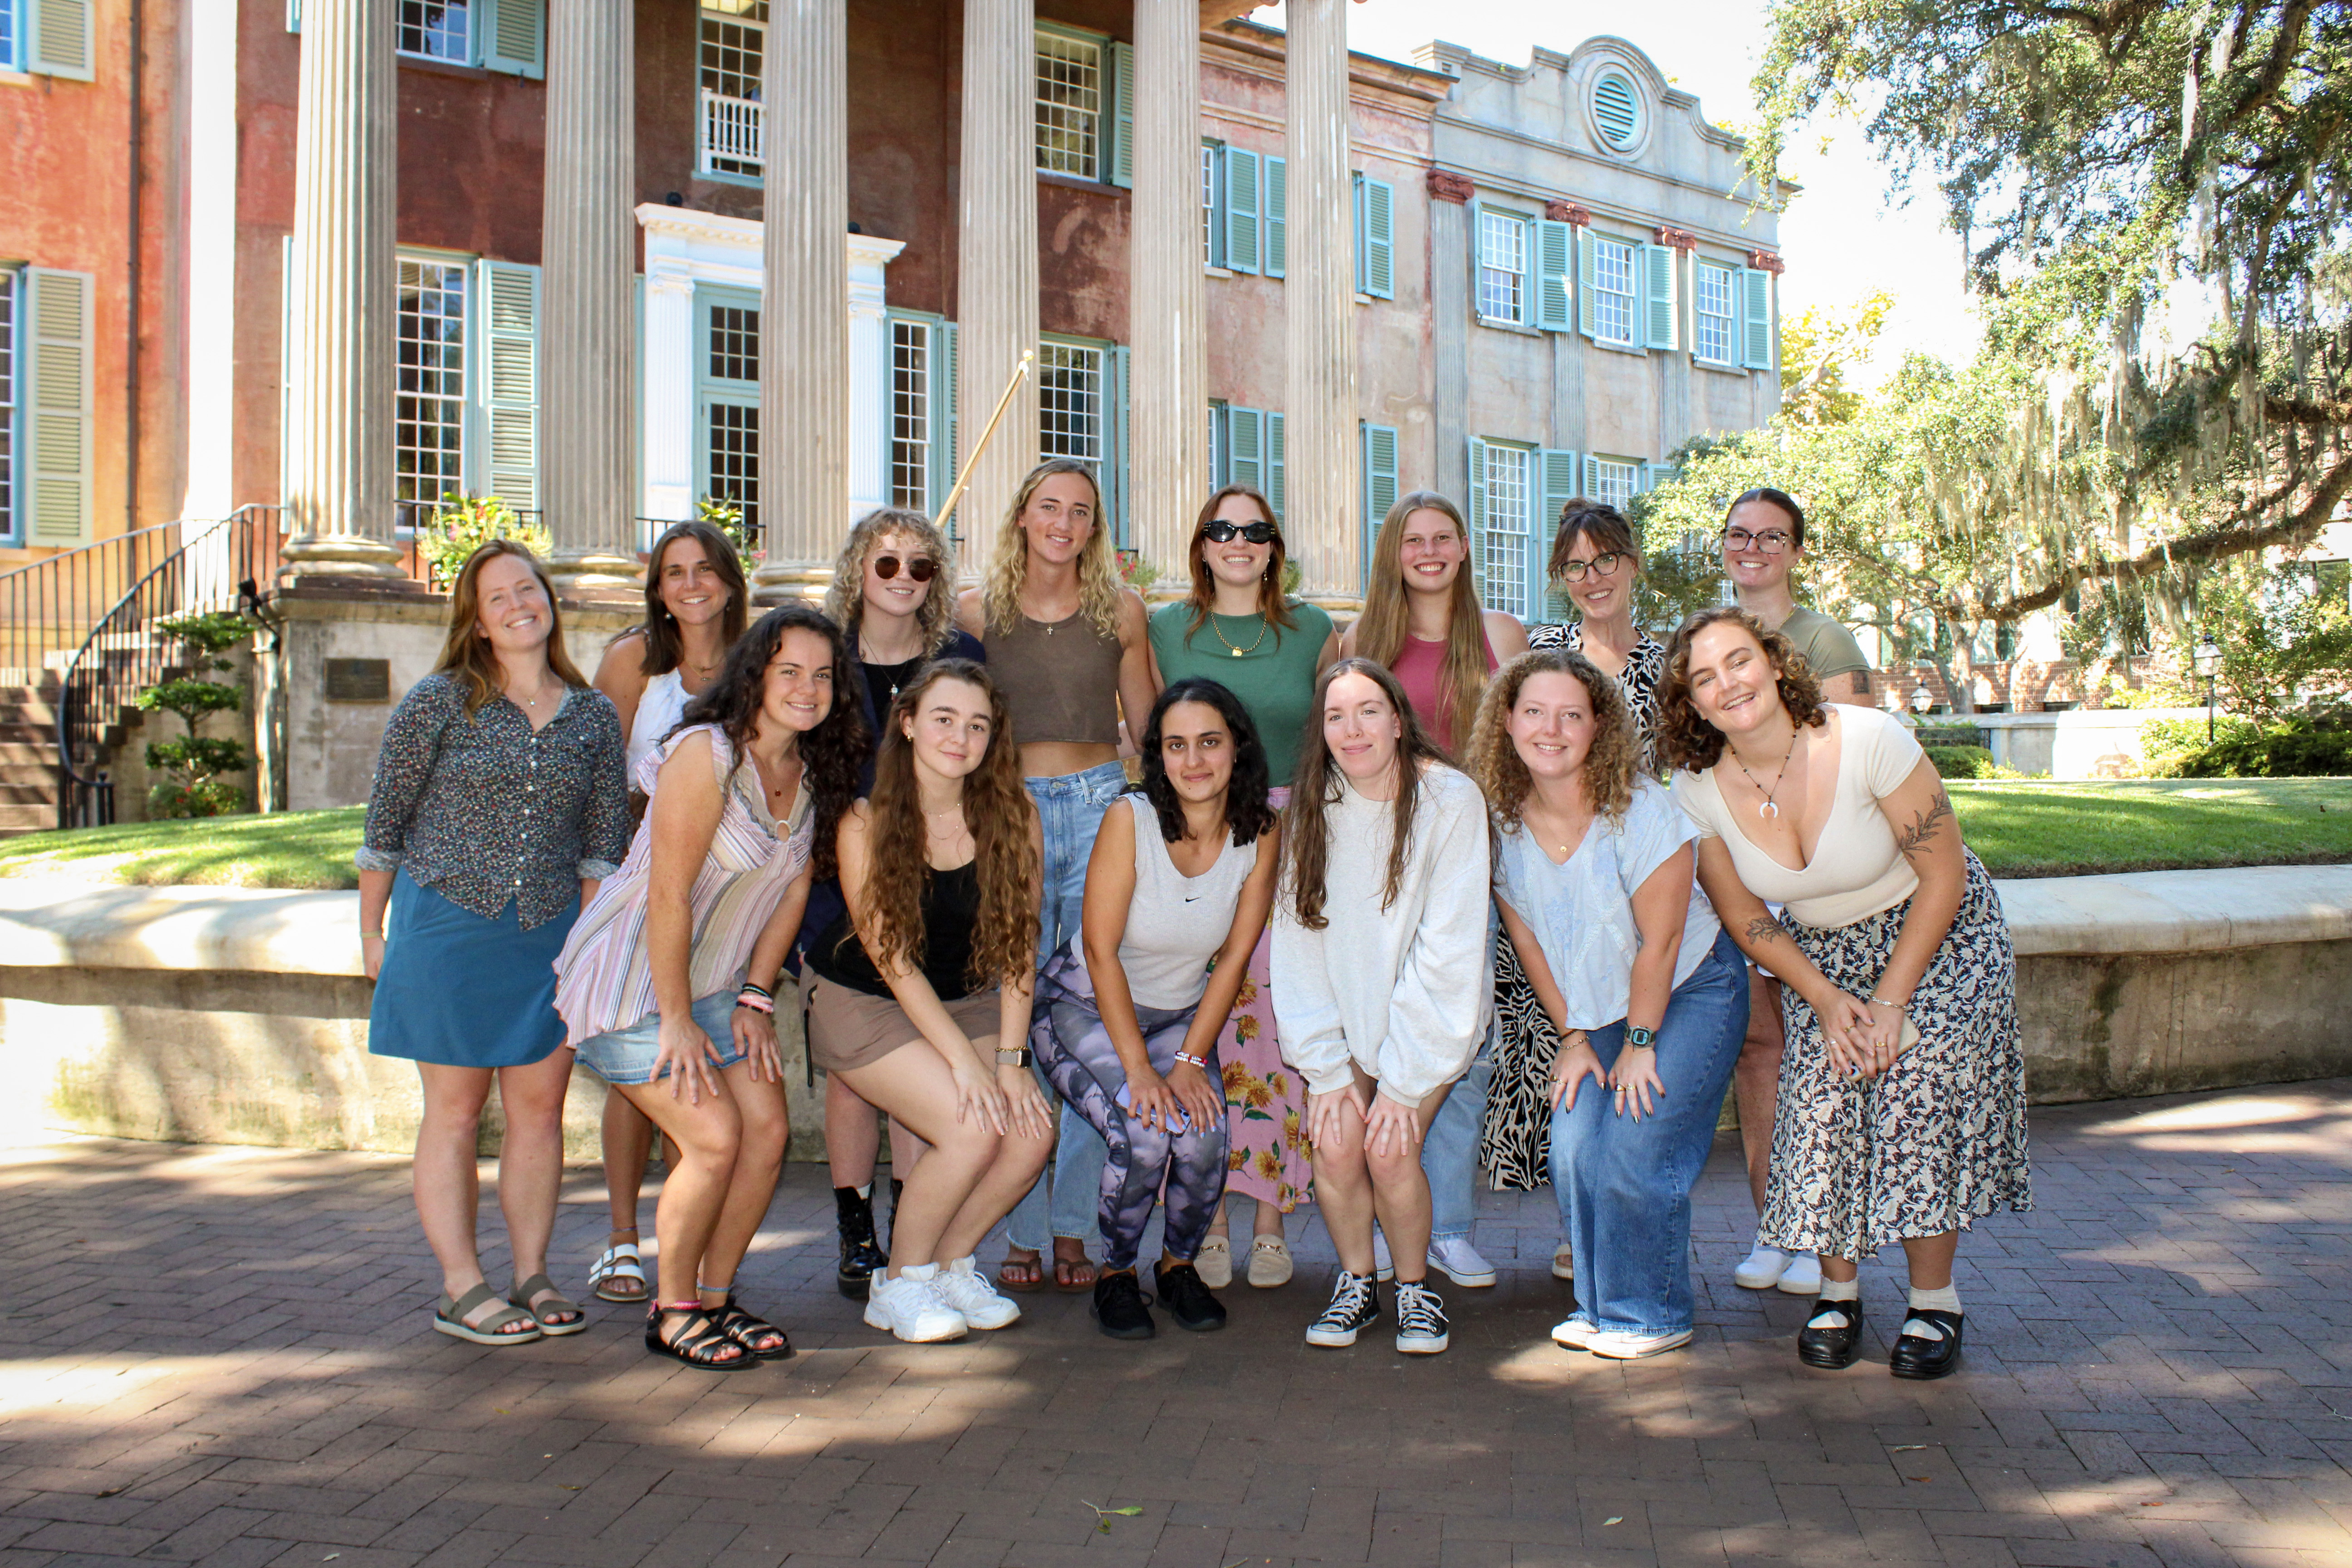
[860,1256]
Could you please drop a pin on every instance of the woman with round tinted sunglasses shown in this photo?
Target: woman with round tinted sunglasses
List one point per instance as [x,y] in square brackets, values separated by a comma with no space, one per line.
[1239,629]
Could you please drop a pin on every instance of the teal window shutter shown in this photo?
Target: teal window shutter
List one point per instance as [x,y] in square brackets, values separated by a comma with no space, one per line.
[1592,486]
[1584,281]
[1241,210]
[1555,256]
[1379,447]
[60,314]
[1658,303]
[1121,120]
[508,381]
[942,412]
[1755,319]
[293,15]
[1277,215]
[1245,448]
[1558,486]
[1376,238]
[1478,501]
[512,36]
[1275,497]
[1122,530]
[62,41]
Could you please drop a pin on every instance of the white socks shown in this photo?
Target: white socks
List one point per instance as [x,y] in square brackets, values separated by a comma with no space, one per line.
[1947,1300]
[1835,1290]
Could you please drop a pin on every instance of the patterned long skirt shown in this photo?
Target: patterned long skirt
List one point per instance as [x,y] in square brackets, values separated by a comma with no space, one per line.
[1265,1102]
[1515,1147]
[1936,1142]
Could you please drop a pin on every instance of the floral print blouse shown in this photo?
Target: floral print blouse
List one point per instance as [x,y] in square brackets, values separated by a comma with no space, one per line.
[485,810]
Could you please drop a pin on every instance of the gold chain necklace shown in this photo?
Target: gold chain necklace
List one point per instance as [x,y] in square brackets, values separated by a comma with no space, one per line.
[1263,628]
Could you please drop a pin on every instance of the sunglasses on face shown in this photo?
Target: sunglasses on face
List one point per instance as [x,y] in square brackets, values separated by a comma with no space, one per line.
[922,568]
[1222,532]
[1606,564]
[1739,540]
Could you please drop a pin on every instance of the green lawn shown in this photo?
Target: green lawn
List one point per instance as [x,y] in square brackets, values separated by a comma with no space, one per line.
[2032,827]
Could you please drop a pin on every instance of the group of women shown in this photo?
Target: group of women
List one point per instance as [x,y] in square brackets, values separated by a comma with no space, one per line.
[1379,902]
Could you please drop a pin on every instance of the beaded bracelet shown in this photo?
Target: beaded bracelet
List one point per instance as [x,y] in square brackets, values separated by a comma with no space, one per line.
[1191,1060]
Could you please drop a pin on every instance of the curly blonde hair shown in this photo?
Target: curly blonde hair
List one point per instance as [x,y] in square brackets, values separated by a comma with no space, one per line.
[1610,766]
[844,600]
[1008,563]
[1688,741]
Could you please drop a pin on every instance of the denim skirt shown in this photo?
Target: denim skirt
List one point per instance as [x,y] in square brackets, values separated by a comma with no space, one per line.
[460,991]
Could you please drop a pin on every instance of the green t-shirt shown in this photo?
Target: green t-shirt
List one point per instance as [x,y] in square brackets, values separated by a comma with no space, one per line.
[1274,676]
[1829,648]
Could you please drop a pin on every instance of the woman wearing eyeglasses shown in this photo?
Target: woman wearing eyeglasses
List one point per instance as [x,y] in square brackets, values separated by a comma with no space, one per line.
[1595,563]
[893,595]
[1239,629]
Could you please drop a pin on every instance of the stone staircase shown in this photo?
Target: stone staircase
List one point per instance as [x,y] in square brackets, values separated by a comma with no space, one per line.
[28,743]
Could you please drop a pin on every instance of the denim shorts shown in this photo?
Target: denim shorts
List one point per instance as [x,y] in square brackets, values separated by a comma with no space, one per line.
[628,1056]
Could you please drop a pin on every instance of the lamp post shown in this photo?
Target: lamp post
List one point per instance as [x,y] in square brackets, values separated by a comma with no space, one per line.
[2206,661]
[1922,700]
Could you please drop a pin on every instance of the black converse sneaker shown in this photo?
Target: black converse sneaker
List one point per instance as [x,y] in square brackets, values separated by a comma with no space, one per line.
[1354,1303]
[1422,1328]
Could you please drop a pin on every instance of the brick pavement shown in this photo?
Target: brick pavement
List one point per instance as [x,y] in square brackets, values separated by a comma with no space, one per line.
[222,1356]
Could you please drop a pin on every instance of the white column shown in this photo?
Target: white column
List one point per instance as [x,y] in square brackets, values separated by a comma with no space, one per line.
[1169,388]
[803,318]
[339,466]
[588,330]
[869,371]
[996,259]
[1321,439]
[669,463]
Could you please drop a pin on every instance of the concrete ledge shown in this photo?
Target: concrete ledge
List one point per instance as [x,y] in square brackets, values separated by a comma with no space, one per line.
[2179,911]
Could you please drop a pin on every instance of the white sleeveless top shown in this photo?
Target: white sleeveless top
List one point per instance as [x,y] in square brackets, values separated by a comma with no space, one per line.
[1175,923]
[663,704]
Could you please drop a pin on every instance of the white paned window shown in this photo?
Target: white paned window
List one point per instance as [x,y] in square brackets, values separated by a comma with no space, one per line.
[10,59]
[733,118]
[910,415]
[1069,105]
[436,29]
[1071,384]
[1713,311]
[734,459]
[1509,547]
[1615,481]
[429,408]
[729,388]
[1612,291]
[8,396]
[734,343]
[1212,228]
[1502,266]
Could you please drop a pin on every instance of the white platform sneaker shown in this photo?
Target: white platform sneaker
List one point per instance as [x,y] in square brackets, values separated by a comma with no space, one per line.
[911,1306]
[960,1286]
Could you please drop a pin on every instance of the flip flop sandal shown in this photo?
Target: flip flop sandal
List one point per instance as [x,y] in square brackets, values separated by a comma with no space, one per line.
[619,1261]
[761,1338]
[550,1313]
[700,1343]
[1064,1266]
[449,1316]
[1034,1266]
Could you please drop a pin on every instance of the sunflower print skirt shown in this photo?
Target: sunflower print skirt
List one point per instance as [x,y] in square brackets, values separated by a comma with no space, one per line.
[1938,1140]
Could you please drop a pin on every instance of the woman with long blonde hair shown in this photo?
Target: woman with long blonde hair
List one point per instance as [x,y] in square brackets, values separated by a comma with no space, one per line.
[1592,874]
[1422,620]
[499,806]
[920,993]
[1070,648]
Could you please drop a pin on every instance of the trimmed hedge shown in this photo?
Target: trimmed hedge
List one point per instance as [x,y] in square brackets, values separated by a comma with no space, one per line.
[2299,747]
[1961,761]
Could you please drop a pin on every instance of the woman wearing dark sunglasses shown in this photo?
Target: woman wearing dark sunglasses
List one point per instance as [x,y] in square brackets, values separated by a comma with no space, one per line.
[1238,628]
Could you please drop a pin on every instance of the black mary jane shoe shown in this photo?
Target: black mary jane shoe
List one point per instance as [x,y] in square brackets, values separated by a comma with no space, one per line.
[1119,1310]
[1921,1358]
[764,1339]
[1831,1348]
[1186,1299]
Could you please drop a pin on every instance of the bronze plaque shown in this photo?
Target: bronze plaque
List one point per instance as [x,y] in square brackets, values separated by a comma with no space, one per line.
[358,681]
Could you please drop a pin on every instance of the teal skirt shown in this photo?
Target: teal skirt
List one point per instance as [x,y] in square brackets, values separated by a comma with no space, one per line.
[461,990]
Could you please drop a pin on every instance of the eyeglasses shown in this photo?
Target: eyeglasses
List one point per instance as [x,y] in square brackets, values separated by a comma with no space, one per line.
[1768,543]
[1606,564]
[1222,532]
[922,568]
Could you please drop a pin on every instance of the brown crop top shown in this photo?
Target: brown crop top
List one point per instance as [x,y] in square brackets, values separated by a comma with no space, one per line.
[1060,678]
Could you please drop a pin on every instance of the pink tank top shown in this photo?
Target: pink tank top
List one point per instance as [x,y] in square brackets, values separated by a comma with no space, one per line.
[1418,667]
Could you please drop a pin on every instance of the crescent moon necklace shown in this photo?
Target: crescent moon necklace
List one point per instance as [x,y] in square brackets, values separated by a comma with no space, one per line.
[1767,808]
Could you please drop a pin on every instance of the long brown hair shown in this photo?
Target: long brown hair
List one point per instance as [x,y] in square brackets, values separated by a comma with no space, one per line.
[1687,740]
[1008,563]
[1307,830]
[1272,602]
[466,655]
[665,645]
[1609,765]
[1381,629]
[844,600]
[997,809]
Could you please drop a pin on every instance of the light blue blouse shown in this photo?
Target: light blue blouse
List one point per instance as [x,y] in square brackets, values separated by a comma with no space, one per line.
[1582,912]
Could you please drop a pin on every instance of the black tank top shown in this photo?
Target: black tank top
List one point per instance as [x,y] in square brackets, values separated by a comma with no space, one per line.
[950,910]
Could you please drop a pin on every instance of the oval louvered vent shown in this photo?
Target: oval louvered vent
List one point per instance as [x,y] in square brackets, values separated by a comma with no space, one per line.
[1618,109]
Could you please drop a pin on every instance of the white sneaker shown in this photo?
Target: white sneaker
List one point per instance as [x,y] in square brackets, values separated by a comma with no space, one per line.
[1619,1345]
[1563,1262]
[1383,1267]
[1454,1257]
[1575,1334]
[1761,1269]
[960,1286]
[1803,1275]
[910,1308]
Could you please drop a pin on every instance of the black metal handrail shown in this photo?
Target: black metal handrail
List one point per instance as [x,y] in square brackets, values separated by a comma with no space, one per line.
[48,607]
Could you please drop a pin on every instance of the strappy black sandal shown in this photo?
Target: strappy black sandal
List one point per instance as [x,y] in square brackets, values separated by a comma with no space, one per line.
[761,1338]
[698,1342]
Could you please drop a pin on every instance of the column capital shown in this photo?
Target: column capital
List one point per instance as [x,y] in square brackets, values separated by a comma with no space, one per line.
[1444,185]
[669,275]
[1568,212]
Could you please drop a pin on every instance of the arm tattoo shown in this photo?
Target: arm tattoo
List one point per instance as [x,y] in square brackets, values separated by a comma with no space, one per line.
[1763,930]
[1925,826]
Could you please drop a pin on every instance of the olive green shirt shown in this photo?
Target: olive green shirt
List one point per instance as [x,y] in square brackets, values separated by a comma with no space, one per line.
[1274,674]
[1829,648]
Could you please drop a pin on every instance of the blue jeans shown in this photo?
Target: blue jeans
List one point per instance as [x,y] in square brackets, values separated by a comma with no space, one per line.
[1449,1153]
[1070,811]
[1624,1185]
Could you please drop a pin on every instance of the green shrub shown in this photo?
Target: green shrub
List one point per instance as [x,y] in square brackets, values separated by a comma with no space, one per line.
[463,524]
[1964,761]
[1945,734]
[2303,745]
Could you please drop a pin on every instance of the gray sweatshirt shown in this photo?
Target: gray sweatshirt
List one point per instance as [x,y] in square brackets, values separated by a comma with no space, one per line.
[1403,993]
